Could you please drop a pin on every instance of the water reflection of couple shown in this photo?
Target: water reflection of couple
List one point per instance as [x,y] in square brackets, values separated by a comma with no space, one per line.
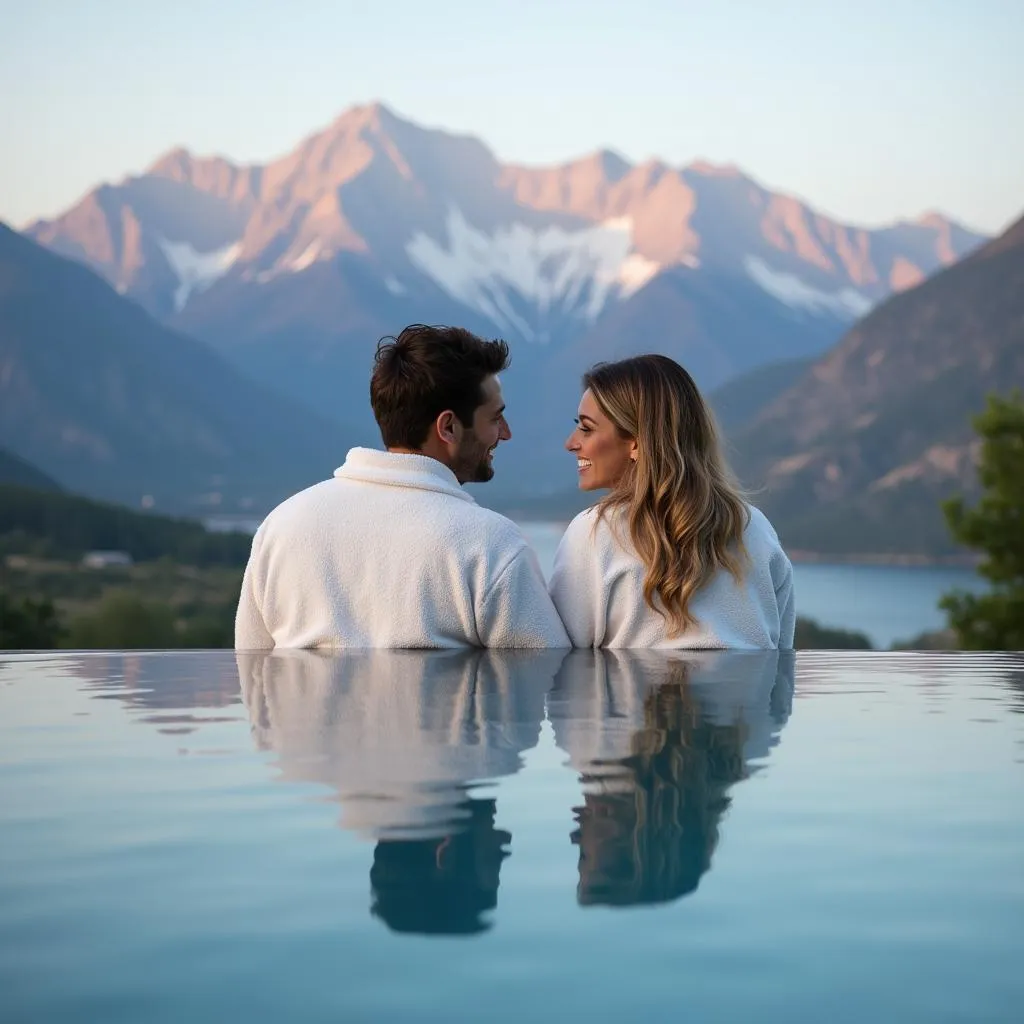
[407,740]
[400,737]
[392,552]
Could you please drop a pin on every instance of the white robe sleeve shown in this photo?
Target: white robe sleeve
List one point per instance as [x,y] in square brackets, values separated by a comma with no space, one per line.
[251,632]
[517,610]
[786,600]
[575,587]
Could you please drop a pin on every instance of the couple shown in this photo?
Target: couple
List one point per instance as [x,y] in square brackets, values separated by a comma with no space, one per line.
[393,553]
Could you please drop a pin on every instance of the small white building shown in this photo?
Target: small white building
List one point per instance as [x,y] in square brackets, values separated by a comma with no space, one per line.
[105,559]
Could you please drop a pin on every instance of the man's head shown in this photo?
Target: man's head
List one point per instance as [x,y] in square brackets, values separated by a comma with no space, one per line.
[442,886]
[435,391]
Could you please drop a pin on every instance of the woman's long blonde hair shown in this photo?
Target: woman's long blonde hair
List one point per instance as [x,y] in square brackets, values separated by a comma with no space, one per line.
[685,512]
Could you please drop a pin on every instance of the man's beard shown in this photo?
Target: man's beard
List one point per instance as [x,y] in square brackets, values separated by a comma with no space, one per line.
[473,465]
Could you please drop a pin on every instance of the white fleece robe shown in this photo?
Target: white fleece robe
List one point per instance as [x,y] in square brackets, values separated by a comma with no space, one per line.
[597,587]
[392,552]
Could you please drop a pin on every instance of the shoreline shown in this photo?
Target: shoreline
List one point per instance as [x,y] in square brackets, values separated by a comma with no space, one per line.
[912,560]
[904,561]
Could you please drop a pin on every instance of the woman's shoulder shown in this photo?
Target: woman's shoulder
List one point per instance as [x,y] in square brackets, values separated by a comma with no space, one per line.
[763,545]
[582,524]
[759,528]
[588,527]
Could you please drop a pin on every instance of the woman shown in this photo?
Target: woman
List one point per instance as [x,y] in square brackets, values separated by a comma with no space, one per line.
[672,556]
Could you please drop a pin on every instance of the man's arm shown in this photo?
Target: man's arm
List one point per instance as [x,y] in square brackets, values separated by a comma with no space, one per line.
[517,610]
[251,632]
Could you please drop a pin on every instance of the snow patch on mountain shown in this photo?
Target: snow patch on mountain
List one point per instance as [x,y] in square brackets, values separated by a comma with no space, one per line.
[552,270]
[306,258]
[195,270]
[287,264]
[635,272]
[847,303]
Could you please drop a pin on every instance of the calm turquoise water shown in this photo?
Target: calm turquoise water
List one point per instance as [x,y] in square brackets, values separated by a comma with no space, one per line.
[489,836]
[888,603]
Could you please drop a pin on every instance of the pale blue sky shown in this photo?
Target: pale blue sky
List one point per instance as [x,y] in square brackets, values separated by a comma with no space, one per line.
[869,110]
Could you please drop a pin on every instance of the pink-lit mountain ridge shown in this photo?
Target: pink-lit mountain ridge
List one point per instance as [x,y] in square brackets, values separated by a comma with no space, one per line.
[293,269]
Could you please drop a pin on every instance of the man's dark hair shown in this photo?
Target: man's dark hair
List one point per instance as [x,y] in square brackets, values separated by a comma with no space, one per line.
[423,372]
[418,889]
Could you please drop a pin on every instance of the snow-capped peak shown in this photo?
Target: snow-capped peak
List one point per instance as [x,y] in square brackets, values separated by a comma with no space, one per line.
[847,303]
[552,269]
[195,270]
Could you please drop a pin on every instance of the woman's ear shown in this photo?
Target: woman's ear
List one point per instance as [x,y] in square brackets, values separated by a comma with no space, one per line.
[634,452]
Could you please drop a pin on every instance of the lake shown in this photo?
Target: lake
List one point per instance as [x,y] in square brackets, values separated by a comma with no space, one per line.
[511,836]
[888,603]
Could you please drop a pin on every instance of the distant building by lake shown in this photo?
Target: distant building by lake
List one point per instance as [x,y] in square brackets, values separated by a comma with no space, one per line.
[105,559]
[231,524]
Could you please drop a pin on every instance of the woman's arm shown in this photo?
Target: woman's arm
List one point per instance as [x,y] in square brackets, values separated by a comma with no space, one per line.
[786,600]
[576,586]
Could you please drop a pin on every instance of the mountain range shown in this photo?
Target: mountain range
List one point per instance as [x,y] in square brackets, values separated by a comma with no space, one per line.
[214,351]
[110,403]
[293,269]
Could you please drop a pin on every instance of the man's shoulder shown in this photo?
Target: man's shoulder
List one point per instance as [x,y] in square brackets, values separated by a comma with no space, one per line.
[296,505]
[498,528]
[308,496]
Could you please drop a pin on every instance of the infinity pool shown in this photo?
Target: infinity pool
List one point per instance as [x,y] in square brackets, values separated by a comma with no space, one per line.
[492,836]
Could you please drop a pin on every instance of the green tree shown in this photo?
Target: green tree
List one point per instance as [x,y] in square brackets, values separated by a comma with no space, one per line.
[124,622]
[28,625]
[811,636]
[993,621]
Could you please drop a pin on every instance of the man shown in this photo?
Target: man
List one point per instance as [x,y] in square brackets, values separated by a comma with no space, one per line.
[392,552]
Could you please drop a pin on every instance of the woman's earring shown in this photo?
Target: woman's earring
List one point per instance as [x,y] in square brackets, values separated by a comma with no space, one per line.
[632,456]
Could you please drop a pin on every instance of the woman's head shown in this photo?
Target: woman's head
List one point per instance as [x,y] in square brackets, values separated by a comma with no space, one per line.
[641,410]
[645,432]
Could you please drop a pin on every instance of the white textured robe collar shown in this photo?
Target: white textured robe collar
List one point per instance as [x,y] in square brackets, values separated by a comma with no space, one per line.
[400,470]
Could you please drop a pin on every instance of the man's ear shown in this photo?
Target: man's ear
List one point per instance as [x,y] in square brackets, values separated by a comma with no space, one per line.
[445,427]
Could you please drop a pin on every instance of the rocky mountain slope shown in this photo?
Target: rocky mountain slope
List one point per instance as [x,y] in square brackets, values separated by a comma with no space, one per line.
[112,404]
[856,455]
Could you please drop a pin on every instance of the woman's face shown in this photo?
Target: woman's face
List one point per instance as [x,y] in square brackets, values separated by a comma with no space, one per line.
[602,453]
